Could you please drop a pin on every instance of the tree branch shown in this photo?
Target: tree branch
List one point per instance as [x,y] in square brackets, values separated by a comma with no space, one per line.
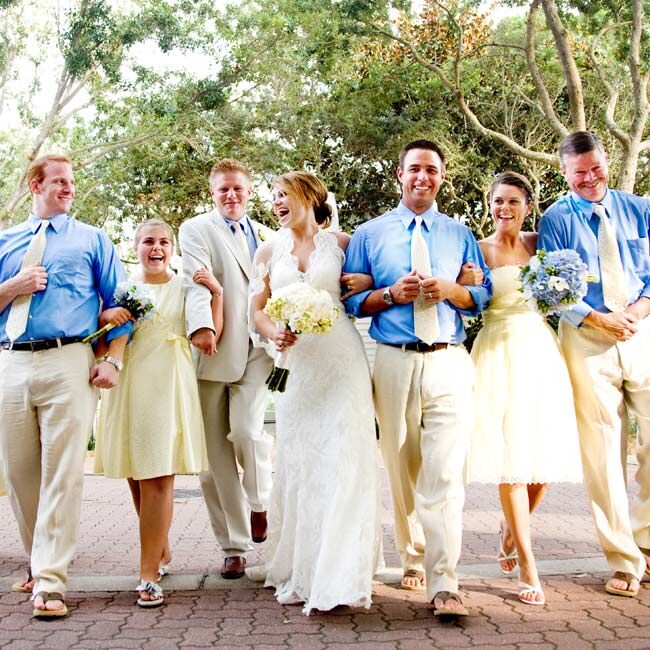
[571,74]
[545,104]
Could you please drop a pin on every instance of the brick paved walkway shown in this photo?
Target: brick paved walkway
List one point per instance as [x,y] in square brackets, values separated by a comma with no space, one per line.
[202,610]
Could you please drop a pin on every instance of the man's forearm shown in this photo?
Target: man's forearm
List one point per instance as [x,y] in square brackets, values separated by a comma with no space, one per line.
[8,291]
[374,303]
[461,298]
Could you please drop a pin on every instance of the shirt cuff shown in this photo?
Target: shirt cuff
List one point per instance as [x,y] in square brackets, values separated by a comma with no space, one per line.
[353,303]
[577,314]
[118,331]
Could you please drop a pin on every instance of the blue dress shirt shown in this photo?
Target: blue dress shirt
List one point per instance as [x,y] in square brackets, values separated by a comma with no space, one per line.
[571,223]
[247,227]
[382,248]
[82,267]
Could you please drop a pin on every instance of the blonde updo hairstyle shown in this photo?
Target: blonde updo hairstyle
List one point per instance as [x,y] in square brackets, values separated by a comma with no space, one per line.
[310,191]
[152,222]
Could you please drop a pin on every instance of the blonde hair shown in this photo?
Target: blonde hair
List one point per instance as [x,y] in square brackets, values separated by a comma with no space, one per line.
[229,166]
[36,170]
[152,222]
[310,191]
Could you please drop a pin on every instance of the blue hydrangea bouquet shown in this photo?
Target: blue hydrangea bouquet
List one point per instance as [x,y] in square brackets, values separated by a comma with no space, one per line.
[133,296]
[554,282]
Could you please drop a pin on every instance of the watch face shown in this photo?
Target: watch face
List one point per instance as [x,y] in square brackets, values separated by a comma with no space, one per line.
[387,296]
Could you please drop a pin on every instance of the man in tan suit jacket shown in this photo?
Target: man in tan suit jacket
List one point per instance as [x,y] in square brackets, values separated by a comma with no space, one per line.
[231,374]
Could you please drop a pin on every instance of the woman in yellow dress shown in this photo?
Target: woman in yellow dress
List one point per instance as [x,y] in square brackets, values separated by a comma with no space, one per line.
[525,435]
[150,426]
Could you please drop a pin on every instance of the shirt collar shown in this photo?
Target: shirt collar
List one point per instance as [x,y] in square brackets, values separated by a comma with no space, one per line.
[56,221]
[587,207]
[245,223]
[407,216]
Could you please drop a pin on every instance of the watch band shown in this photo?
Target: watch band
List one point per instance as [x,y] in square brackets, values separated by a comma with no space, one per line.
[113,361]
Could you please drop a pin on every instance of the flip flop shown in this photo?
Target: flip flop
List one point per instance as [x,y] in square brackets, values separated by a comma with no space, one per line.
[21,586]
[47,596]
[163,570]
[531,589]
[626,577]
[418,575]
[446,596]
[156,598]
[502,556]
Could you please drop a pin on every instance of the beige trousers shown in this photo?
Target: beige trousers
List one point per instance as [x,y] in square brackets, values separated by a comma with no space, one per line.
[233,416]
[48,405]
[424,406]
[607,378]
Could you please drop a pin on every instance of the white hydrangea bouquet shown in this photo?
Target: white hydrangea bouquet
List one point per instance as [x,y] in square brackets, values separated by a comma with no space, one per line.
[554,282]
[303,310]
[134,296]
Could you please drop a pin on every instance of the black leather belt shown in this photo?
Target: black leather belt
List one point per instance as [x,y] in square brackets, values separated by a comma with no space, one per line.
[36,346]
[419,346]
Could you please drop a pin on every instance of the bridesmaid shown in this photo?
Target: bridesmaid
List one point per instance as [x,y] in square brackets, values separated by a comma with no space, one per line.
[525,434]
[150,425]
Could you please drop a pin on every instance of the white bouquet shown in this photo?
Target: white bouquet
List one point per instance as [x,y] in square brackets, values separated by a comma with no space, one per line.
[303,310]
[553,282]
[131,295]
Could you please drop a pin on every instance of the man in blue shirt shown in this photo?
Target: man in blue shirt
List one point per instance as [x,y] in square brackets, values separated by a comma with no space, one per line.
[423,390]
[49,380]
[606,338]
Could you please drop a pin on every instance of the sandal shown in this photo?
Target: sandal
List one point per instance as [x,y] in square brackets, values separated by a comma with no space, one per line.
[446,596]
[155,592]
[163,570]
[502,556]
[46,597]
[24,586]
[531,589]
[625,577]
[414,574]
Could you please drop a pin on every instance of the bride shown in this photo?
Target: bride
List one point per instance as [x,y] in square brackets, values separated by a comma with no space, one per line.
[323,519]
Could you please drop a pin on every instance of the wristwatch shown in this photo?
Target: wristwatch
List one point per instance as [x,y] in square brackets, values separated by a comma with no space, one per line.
[113,361]
[387,296]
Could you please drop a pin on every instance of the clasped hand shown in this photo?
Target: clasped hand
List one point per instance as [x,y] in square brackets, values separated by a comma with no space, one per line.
[30,280]
[409,287]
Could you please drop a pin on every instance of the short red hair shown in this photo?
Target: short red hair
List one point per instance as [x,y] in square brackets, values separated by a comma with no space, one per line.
[36,170]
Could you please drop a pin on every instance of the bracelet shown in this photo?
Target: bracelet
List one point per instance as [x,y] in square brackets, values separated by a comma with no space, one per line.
[218,292]
[113,361]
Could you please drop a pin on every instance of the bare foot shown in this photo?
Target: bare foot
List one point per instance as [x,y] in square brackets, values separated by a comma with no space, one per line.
[623,584]
[446,603]
[49,605]
[414,580]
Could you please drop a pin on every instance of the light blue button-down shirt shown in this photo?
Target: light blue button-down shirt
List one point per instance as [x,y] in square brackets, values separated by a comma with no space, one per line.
[382,248]
[82,266]
[247,227]
[571,223]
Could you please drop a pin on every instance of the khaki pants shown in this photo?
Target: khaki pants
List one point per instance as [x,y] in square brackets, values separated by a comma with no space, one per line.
[424,406]
[48,405]
[233,416]
[607,378]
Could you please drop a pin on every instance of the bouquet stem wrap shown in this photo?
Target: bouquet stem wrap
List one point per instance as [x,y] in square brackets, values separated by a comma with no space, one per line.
[277,380]
[302,309]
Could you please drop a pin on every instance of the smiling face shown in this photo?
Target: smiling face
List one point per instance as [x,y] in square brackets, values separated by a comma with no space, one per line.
[509,207]
[154,248]
[231,191]
[288,208]
[587,174]
[54,194]
[421,175]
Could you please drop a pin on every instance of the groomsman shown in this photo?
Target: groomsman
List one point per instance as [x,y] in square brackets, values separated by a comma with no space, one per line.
[231,377]
[54,271]
[423,377]
[606,339]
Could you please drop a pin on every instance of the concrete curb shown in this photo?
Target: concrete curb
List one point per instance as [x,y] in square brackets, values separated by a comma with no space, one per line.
[388,576]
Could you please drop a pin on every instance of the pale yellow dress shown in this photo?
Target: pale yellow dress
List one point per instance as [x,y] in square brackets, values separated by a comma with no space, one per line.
[525,426]
[150,424]
[3,488]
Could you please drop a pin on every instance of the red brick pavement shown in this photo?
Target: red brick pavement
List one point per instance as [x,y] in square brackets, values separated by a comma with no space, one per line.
[578,613]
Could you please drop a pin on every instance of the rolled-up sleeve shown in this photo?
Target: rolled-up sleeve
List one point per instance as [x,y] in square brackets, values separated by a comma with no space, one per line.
[480,293]
[357,261]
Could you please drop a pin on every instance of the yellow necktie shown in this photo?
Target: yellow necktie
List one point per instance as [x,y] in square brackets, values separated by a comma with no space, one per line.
[612,275]
[425,317]
[17,319]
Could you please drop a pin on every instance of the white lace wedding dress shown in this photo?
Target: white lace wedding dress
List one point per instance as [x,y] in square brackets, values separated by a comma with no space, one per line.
[323,518]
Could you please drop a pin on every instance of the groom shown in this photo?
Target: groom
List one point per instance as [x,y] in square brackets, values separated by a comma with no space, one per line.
[423,376]
[231,374]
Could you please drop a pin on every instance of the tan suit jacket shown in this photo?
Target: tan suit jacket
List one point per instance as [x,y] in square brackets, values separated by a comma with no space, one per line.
[207,242]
